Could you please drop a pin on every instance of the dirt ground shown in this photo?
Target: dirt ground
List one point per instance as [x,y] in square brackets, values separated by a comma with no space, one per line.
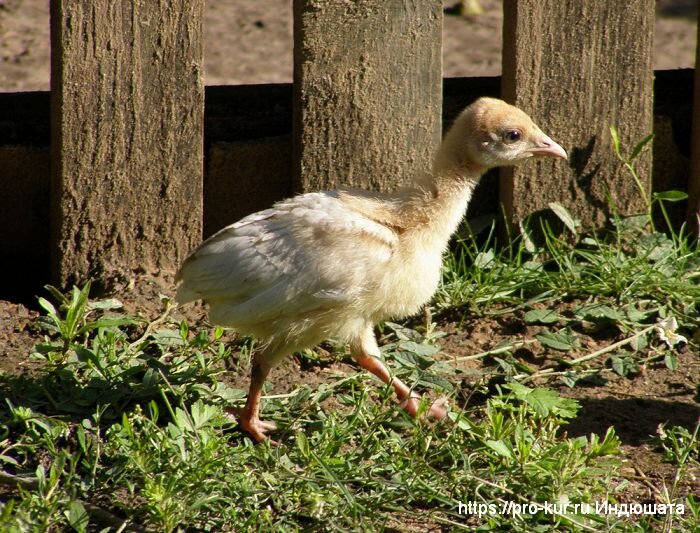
[636,406]
[248,41]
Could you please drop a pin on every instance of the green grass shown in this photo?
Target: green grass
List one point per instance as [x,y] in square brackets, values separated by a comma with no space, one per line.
[625,278]
[124,423]
[123,426]
[135,428]
[629,275]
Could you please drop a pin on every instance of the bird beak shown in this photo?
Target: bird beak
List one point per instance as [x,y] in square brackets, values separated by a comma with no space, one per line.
[546,147]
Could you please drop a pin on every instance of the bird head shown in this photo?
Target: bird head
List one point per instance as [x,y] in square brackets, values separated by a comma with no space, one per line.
[491,133]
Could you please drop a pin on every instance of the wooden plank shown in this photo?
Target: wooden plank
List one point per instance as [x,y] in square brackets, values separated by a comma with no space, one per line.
[367,80]
[127,128]
[24,219]
[578,68]
[693,212]
[245,177]
[234,113]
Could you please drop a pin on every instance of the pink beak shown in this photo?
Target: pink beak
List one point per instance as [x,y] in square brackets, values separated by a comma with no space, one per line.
[548,148]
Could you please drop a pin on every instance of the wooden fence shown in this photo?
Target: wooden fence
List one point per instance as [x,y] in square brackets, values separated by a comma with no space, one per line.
[140,167]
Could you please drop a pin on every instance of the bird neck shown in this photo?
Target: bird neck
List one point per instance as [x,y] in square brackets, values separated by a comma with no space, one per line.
[430,210]
[438,201]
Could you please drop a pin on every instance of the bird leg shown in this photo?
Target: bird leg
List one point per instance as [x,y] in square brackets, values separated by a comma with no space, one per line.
[409,400]
[249,416]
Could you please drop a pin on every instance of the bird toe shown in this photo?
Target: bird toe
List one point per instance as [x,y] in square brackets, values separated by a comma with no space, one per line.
[267,426]
[253,426]
[438,409]
[258,429]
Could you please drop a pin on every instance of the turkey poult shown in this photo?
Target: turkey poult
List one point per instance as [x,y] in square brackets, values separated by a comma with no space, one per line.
[334,263]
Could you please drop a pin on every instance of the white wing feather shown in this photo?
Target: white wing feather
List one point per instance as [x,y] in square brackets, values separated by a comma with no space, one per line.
[308,253]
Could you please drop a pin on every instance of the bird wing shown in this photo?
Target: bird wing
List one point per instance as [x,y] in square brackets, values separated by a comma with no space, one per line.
[312,251]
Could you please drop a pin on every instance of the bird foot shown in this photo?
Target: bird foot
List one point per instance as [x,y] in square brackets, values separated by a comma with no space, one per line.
[252,425]
[437,409]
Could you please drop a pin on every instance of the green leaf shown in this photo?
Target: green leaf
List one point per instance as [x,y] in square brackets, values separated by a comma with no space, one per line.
[167,337]
[418,349]
[635,315]
[8,460]
[462,421]
[40,475]
[618,365]
[75,312]
[640,146]
[570,378]
[542,401]
[108,322]
[108,304]
[435,381]
[599,313]
[559,340]
[500,448]
[610,445]
[624,366]
[203,414]
[413,360]
[528,240]
[656,247]
[48,307]
[86,354]
[485,260]
[615,140]
[77,516]
[184,329]
[399,330]
[639,343]
[542,316]
[519,390]
[182,420]
[671,196]
[302,442]
[569,221]
[56,294]
[566,408]
[507,367]
[671,361]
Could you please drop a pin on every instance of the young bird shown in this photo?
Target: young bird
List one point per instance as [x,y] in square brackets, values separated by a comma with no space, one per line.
[334,263]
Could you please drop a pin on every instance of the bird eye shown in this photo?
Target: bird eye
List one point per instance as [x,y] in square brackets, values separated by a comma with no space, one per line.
[511,136]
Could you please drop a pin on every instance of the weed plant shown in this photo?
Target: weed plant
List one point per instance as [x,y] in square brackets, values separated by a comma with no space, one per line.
[123,427]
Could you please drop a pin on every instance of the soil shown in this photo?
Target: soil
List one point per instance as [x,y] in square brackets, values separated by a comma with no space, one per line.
[634,405]
[261,35]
